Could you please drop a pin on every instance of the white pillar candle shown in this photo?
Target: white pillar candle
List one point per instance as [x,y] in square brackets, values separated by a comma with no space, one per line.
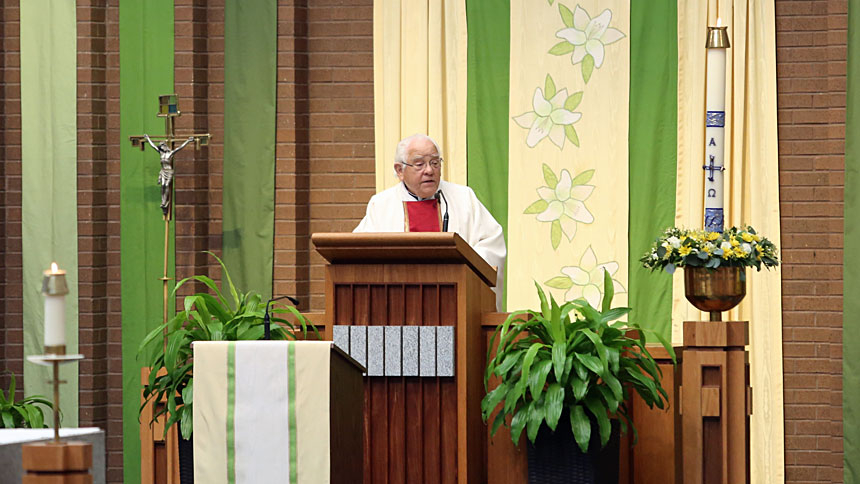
[55,320]
[54,289]
[715,118]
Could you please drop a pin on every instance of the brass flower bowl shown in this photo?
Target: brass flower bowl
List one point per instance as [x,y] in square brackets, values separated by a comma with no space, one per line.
[715,291]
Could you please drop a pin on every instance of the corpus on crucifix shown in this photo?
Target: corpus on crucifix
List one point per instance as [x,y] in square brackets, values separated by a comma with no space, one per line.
[165,176]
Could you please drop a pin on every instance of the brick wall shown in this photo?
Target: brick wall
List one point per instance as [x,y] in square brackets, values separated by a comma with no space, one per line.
[94,202]
[11,306]
[199,82]
[325,154]
[811,54]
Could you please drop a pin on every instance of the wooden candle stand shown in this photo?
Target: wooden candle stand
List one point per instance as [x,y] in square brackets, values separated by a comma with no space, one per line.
[57,462]
[716,402]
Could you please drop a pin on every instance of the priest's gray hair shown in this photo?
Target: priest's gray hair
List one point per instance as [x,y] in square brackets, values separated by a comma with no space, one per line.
[400,154]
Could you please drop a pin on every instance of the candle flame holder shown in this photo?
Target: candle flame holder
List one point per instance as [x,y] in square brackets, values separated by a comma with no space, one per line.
[55,360]
[718,38]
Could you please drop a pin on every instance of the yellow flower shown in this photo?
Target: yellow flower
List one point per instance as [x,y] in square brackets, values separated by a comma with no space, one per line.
[735,242]
[747,237]
[739,253]
[685,250]
[713,235]
[757,238]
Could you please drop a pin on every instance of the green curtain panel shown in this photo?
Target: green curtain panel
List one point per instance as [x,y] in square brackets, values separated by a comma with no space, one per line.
[146,71]
[49,219]
[652,158]
[851,266]
[488,59]
[652,133]
[250,75]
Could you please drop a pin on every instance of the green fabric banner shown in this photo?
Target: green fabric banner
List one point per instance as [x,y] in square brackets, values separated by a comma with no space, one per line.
[488,59]
[652,146]
[49,218]
[851,263]
[146,71]
[250,75]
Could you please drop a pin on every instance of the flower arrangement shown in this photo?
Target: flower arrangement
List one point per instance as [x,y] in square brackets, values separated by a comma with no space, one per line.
[698,248]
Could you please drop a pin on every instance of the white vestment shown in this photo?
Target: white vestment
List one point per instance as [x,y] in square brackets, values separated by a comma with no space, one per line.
[467,216]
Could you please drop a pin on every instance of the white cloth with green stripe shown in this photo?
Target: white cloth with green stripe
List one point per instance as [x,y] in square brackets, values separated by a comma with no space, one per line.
[261,412]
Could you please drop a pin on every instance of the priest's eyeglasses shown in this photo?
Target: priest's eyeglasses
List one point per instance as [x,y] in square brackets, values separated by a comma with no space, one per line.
[420,164]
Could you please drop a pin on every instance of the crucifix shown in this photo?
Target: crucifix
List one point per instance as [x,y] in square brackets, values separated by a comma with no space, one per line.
[168,108]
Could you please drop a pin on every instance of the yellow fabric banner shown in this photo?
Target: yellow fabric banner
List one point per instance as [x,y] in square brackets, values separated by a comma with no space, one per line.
[419,81]
[568,196]
[751,193]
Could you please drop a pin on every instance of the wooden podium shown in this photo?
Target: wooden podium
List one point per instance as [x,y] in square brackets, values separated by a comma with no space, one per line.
[409,306]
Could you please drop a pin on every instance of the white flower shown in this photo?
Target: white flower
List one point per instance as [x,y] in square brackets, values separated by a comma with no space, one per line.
[565,204]
[548,118]
[589,35]
[674,242]
[746,248]
[587,278]
[726,246]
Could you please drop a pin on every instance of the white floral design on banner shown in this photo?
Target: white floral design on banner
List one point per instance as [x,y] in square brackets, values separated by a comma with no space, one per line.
[562,203]
[585,38]
[586,279]
[553,116]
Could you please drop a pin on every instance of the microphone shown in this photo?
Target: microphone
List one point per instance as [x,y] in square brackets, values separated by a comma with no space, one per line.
[267,319]
[444,217]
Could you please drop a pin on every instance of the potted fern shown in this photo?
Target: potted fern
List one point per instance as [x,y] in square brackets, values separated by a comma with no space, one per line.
[569,369]
[167,352]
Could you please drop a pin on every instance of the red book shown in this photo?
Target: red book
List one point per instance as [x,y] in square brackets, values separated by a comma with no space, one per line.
[422,216]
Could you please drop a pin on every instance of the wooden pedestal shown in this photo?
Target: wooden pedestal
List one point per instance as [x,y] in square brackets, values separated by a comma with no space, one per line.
[57,463]
[159,455]
[716,402]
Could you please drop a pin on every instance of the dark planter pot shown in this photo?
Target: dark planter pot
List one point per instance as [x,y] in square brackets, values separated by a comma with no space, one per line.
[186,459]
[556,458]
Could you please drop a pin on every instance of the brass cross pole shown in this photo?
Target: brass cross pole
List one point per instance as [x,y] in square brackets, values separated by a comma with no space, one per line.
[168,108]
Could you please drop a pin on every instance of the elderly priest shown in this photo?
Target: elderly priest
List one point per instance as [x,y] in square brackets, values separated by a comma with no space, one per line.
[418,203]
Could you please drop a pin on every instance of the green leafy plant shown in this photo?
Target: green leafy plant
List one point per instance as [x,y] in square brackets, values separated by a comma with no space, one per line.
[205,317]
[572,357]
[25,413]
[734,247]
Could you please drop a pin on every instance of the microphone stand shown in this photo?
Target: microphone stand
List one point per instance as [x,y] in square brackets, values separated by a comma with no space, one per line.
[445,217]
[267,319]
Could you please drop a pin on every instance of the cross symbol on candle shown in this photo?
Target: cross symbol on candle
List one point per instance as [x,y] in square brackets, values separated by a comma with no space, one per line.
[712,168]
